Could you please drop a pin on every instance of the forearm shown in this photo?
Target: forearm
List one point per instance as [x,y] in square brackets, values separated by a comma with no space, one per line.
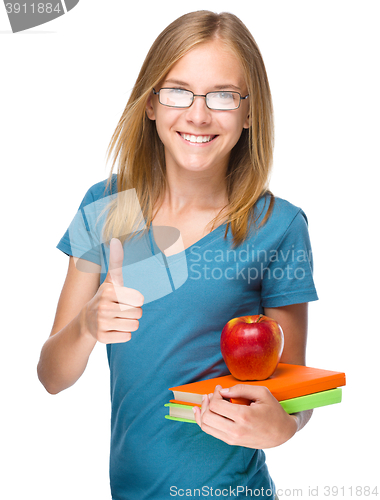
[64,356]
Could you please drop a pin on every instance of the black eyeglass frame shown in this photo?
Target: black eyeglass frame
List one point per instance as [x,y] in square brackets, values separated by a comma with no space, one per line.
[199,95]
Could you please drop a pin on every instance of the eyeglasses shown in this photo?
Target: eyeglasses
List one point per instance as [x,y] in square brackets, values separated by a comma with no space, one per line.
[181,98]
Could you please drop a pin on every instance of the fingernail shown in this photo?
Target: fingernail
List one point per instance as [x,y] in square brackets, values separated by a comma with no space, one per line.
[224,391]
[194,409]
[203,397]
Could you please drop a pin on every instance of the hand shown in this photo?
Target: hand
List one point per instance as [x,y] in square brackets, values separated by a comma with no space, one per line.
[262,424]
[114,311]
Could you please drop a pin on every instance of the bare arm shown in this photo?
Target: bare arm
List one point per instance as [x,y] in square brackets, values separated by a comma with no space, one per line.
[88,313]
[293,320]
[65,354]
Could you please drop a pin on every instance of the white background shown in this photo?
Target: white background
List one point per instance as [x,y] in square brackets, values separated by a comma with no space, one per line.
[63,88]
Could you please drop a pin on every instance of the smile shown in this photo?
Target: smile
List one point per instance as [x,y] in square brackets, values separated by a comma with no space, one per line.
[198,139]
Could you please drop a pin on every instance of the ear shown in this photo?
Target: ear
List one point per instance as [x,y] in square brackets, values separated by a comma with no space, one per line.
[247,122]
[150,109]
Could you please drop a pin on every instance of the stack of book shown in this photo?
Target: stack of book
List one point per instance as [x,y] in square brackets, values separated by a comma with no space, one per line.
[296,387]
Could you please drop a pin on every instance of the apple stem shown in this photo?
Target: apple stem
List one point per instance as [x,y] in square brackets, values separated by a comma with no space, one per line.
[259,318]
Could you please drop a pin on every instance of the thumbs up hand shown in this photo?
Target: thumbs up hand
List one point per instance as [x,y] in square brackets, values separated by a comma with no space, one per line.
[115,271]
[114,311]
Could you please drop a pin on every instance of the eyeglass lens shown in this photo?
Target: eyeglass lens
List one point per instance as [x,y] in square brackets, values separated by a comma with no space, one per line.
[215,100]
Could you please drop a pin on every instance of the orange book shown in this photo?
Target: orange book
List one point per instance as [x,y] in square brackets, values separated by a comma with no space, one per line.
[288,381]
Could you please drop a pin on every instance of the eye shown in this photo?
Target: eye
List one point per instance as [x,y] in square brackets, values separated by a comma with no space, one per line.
[178,92]
[225,95]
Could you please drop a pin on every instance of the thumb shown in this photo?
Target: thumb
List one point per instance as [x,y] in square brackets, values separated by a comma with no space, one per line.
[245,393]
[115,266]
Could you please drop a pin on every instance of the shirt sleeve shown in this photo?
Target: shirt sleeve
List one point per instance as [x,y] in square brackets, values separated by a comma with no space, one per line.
[83,238]
[288,276]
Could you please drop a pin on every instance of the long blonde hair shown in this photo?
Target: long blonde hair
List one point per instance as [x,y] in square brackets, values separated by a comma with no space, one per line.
[140,152]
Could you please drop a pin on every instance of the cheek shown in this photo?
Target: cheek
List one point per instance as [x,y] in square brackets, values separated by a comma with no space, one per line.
[161,127]
[235,128]
[164,123]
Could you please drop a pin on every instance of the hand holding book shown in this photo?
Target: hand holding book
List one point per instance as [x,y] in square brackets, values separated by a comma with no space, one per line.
[297,388]
[262,424]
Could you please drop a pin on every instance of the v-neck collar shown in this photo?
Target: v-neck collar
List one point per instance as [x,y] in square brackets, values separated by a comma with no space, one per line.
[204,241]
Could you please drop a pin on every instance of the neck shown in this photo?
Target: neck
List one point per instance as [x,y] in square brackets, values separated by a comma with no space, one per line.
[195,191]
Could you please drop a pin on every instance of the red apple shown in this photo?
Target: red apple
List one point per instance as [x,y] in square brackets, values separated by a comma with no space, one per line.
[252,346]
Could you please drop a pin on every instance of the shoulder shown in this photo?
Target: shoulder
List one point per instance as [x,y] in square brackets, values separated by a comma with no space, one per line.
[282,215]
[100,190]
[275,219]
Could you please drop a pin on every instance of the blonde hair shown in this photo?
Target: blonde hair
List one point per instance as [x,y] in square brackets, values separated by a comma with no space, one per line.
[135,142]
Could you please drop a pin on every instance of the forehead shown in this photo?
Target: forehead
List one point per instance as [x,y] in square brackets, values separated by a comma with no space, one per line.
[210,64]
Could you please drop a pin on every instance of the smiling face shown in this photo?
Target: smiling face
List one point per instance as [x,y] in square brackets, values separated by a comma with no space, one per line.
[198,138]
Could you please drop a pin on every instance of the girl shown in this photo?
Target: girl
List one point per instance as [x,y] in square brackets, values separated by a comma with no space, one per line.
[194,148]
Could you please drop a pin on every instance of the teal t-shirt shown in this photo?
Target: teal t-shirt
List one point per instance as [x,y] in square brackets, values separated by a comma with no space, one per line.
[189,297]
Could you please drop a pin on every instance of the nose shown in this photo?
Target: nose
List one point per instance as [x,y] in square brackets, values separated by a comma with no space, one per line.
[199,113]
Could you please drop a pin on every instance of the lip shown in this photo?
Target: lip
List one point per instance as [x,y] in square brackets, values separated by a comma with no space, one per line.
[197,144]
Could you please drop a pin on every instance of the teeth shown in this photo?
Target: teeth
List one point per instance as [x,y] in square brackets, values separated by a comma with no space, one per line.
[198,139]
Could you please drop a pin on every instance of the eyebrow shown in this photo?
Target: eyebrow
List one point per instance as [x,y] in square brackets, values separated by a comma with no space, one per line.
[216,87]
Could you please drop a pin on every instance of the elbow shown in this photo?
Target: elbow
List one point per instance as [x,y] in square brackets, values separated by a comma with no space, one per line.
[49,387]
[51,390]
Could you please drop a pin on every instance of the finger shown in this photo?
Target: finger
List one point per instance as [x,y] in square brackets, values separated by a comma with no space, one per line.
[217,424]
[253,393]
[126,297]
[212,423]
[197,415]
[115,337]
[218,407]
[127,312]
[213,430]
[198,412]
[122,325]
[115,265]
[205,404]
[221,407]
[215,397]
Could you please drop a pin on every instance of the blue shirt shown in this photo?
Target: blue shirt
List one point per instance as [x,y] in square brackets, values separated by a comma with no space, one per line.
[189,297]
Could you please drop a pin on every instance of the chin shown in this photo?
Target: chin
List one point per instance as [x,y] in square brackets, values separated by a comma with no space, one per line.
[200,167]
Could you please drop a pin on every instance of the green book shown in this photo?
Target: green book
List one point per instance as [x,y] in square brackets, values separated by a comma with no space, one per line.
[184,413]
